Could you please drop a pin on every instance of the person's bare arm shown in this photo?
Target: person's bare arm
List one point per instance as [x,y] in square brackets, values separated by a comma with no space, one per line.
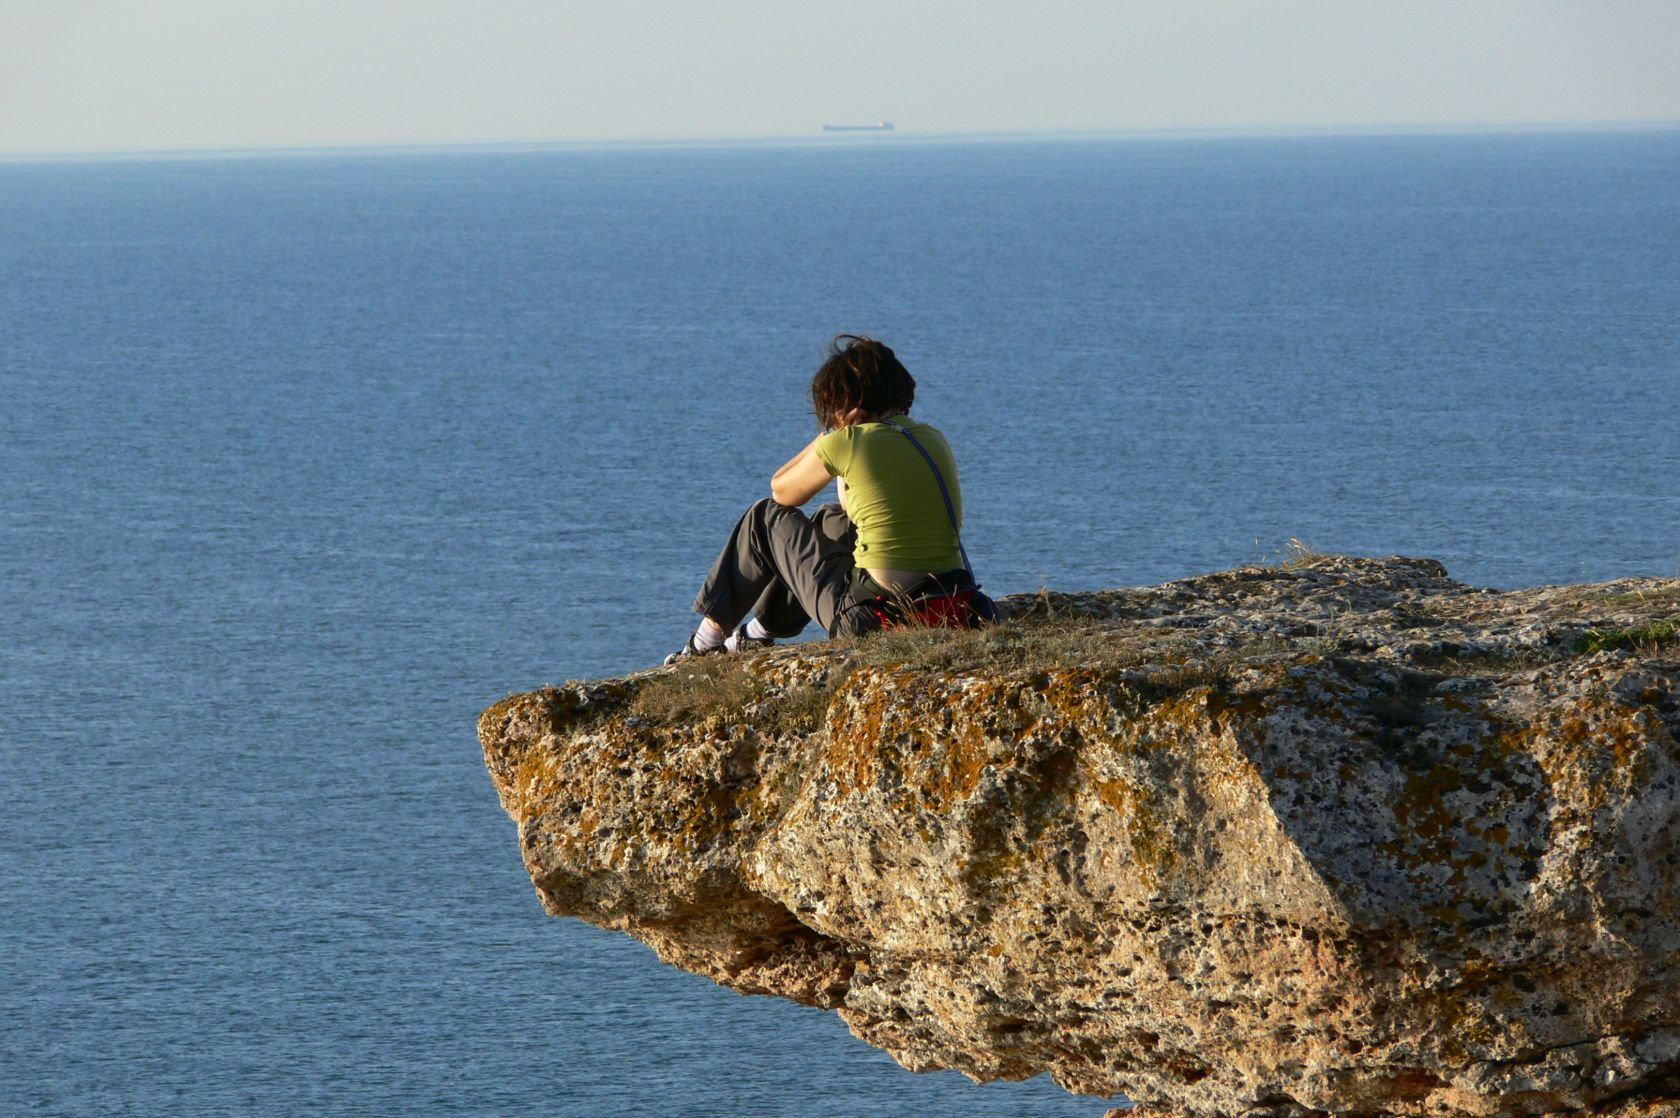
[802,478]
[805,476]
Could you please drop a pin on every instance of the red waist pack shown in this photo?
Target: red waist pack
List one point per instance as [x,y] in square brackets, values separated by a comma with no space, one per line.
[961,609]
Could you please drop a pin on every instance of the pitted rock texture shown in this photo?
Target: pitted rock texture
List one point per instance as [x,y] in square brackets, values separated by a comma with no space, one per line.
[1340,837]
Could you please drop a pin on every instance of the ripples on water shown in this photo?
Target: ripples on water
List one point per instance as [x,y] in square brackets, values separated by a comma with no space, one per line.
[309,459]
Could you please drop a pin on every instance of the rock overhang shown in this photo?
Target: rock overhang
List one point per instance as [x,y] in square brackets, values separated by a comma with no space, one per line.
[1343,836]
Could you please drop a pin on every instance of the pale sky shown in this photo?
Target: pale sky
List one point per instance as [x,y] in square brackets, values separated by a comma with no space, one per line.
[85,75]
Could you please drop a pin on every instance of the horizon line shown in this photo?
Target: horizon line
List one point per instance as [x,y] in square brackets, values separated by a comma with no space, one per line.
[816,136]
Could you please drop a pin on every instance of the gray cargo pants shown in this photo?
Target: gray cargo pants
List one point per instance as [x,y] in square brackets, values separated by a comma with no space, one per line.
[785,567]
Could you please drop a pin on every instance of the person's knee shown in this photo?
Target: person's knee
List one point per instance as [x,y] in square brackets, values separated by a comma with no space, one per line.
[768,511]
[762,522]
[765,509]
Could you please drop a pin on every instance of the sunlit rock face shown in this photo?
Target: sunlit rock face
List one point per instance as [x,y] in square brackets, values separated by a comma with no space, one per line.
[1343,836]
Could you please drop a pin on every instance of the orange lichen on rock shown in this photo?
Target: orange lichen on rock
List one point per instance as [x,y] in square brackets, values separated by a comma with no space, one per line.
[1342,837]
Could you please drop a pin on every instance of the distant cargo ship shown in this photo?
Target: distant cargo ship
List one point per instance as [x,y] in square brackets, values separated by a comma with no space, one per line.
[878,126]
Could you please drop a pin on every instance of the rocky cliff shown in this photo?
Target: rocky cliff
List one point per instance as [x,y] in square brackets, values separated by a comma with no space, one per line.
[1343,836]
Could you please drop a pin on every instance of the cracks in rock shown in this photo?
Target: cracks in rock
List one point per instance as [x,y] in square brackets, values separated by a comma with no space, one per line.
[1661,1088]
[1386,930]
[788,958]
[1595,1046]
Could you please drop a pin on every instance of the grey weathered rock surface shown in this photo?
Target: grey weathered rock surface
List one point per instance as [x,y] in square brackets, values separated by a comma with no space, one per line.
[1344,837]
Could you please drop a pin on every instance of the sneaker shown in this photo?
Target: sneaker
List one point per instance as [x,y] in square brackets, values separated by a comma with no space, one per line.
[688,652]
[739,641]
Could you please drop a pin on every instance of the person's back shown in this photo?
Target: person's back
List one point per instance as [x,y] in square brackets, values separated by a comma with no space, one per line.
[897,526]
[893,495]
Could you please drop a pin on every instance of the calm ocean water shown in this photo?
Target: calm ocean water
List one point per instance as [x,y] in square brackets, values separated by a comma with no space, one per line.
[308,459]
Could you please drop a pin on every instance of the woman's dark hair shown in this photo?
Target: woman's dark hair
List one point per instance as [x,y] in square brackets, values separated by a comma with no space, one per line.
[861,373]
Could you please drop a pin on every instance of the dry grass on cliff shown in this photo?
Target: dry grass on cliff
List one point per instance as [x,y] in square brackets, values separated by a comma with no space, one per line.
[1028,644]
[708,685]
[694,689]
[1661,593]
[1158,662]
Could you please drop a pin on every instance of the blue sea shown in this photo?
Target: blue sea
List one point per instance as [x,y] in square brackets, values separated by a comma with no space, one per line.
[306,458]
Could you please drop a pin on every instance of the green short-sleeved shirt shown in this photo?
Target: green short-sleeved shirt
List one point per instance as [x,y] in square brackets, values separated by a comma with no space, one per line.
[892,496]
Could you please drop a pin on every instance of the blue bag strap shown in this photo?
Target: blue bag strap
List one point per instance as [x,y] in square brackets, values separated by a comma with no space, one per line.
[950,509]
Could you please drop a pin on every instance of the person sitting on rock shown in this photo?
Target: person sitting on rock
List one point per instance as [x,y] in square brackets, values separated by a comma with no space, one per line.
[892,536]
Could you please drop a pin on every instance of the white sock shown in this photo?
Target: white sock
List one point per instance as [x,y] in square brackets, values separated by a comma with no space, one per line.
[755,630]
[708,636]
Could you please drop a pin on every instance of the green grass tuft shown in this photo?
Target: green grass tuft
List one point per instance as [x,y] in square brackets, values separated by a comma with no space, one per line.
[1650,637]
